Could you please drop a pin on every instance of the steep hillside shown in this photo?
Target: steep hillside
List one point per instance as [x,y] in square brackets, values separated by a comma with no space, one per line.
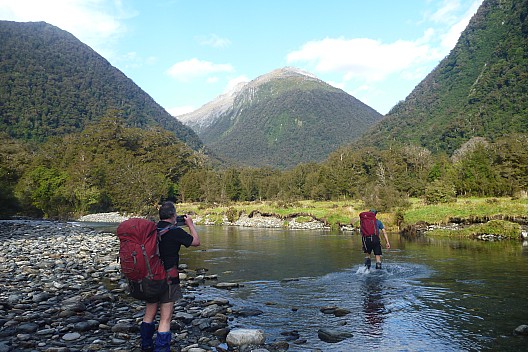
[479,89]
[281,119]
[53,84]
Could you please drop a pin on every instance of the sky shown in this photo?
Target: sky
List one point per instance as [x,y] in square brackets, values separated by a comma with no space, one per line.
[185,53]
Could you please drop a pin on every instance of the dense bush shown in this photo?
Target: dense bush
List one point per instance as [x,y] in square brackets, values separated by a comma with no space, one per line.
[110,167]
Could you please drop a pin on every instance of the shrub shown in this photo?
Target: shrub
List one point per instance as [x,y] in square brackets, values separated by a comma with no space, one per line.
[440,191]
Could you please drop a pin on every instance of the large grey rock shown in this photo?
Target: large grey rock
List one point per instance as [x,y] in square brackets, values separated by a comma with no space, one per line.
[240,337]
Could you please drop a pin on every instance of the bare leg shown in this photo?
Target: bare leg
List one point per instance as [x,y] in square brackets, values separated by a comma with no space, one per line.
[166,310]
[150,312]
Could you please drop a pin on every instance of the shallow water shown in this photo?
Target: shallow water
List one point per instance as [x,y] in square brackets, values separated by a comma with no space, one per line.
[431,295]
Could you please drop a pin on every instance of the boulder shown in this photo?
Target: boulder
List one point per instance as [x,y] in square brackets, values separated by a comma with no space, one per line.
[240,337]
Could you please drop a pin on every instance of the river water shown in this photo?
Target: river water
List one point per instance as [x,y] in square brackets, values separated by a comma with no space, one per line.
[431,295]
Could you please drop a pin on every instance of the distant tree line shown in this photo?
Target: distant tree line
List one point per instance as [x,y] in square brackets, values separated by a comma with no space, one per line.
[381,178]
[111,167]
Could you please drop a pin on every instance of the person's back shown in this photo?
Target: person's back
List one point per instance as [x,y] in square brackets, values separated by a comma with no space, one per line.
[169,247]
[370,228]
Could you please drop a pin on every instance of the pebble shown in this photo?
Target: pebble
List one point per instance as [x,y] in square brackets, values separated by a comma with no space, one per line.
[62,291]
[252,220]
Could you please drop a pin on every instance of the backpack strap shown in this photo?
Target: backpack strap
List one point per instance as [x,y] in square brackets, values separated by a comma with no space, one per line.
[164,230]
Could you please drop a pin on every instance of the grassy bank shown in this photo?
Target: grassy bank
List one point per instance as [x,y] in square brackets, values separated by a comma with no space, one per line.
[337,213]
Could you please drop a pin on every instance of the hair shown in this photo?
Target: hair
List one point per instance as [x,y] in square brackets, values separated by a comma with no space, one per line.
[167,210]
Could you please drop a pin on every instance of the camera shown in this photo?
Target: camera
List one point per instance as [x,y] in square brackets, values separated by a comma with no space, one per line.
[180,220]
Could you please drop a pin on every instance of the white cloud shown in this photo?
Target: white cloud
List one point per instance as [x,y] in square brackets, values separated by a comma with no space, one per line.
[446,13]
[212,79]
[450,38]
[365,60]
[186,70]
[94,22]
[361,58]
[180,110]
[235,82]
[214,41]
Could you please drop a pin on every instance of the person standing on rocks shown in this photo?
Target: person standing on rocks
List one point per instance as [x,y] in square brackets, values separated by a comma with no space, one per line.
[169,248]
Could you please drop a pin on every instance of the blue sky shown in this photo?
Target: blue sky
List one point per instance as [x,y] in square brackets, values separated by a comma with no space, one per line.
[184,53]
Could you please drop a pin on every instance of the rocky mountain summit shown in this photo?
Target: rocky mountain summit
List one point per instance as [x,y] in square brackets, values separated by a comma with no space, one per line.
[280,119]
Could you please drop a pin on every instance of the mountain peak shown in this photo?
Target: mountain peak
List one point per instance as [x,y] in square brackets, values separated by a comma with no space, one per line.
[280,119]
[287,71]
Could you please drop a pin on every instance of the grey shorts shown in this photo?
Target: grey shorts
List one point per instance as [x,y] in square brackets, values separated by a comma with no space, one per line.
[172,294]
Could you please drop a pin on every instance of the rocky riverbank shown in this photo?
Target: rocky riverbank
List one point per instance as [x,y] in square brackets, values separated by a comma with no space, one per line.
[62,291]
[245,220]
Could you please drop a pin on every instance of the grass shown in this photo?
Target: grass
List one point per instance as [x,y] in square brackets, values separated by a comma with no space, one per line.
[465,208]
[494,227]
[333,213]
[337,213]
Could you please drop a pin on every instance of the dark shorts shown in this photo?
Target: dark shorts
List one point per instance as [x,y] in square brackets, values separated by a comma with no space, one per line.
[156,291]
[172,294]
[371,244]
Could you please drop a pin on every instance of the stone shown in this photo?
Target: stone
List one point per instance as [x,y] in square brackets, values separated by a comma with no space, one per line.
[341,312]
[332,335]
[521,330]
[212,310]
[27,328]
[71,336]
[226,285]
[240,337]
[248,312]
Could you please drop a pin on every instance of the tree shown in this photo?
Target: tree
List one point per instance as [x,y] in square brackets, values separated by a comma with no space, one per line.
[44,188]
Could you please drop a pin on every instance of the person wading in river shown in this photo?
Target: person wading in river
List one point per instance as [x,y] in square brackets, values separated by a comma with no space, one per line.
[169,247]
[370,228]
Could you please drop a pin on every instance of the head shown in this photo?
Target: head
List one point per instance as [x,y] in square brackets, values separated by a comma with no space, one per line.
[373,211]
[167,210]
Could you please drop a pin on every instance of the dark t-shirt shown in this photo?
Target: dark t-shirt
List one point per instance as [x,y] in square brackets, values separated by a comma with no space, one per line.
[170,244]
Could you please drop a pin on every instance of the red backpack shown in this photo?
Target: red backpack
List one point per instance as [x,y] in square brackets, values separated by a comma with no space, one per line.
[139,257]
[367,224]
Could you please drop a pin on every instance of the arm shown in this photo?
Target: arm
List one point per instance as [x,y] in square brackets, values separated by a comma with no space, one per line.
[386,238]
[192,230]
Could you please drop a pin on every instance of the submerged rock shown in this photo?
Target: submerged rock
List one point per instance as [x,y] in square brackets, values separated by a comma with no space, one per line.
[333,335]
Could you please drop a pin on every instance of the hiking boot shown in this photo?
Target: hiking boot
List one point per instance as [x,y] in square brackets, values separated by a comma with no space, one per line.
[146,331]
[367,263]
[163,340]
[378,265]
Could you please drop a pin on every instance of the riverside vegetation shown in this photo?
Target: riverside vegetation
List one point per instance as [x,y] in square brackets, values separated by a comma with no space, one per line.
[501,217]
[110,167]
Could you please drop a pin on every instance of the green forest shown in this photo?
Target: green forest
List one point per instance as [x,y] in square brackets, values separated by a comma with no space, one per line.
[111,167]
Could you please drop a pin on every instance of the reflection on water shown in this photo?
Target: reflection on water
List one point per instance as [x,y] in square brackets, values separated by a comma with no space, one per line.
[373,305]
[431,295]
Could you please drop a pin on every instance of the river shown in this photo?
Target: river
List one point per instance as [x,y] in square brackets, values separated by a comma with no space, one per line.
[431,295]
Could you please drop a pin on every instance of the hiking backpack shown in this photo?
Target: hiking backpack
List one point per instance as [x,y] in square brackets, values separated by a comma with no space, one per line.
[139,257]
[367,224]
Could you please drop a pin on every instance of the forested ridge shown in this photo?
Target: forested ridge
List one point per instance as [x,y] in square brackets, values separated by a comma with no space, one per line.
[111,167]
[52,84]
[479,89]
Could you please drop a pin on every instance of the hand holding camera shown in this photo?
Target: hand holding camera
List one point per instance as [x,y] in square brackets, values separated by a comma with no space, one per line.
[180,220]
